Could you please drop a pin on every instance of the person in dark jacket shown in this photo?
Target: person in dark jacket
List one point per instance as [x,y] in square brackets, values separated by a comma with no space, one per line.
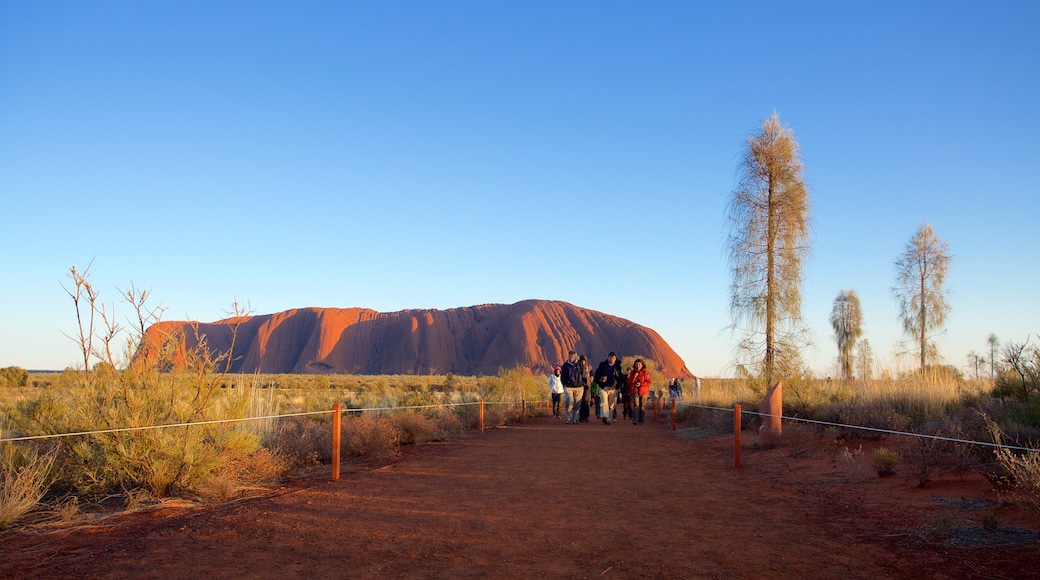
[573,386]
[606,379]
[586,396]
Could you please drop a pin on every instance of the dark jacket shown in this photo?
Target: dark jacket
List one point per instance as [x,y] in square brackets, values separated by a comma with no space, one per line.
[572,374]
[605,376]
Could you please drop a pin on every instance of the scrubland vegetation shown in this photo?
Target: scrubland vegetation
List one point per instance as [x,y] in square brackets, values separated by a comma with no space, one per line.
[220,437]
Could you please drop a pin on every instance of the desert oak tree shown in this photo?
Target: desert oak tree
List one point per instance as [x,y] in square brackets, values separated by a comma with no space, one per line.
[847,322]
[769,219]
[920,273]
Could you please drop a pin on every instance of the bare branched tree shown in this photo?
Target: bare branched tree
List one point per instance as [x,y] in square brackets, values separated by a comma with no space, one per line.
[847,322]
[920,274]
[84,299]
[769,215]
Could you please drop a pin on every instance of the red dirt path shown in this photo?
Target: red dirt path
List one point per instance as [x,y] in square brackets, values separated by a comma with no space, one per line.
[549,499]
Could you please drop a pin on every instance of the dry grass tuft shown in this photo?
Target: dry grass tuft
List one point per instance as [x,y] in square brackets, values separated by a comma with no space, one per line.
[23,483]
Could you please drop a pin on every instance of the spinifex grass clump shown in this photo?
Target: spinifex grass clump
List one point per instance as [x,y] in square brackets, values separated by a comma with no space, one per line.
[885,461]
[23,482]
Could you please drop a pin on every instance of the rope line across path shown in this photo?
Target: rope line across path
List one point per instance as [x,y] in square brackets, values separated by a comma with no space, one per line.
[238,420]
[874,429]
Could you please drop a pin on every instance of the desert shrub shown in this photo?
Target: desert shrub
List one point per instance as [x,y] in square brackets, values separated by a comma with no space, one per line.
[1020,377]
[798,437]
[448,421]
[1022,469]
[241,473]
[416,428]
[513,384]
[367,436]
[885,461]
[923,458]
[158,380]
[303,442]
[24,477]
[854,462]
[13,377]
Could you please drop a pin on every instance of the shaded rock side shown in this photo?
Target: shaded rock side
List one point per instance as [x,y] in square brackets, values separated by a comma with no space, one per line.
[474,340]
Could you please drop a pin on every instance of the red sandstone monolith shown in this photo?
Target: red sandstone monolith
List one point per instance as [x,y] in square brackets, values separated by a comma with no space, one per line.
[771,409]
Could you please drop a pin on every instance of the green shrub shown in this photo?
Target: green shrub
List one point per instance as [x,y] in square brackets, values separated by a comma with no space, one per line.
[885,461]
[13,377]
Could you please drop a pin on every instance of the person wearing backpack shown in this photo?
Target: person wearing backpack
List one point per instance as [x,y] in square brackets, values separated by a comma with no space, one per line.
[571,374]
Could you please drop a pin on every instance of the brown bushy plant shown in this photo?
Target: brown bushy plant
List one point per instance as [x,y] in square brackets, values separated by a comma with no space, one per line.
[368,436]
[416,428]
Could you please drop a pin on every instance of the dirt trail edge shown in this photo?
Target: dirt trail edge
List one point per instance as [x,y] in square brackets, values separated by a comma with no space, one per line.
[544,499]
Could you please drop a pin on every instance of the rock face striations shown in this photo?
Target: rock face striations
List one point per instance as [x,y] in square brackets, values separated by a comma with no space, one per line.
[475,340]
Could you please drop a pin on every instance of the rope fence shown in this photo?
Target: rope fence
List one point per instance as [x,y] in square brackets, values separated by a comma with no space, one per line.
[241,419]
[338,411]
[864,428]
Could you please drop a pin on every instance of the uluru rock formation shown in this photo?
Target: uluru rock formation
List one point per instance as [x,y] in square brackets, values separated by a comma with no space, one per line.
[474,340]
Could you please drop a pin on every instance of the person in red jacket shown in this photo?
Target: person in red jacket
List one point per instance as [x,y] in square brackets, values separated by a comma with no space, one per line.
[638,382]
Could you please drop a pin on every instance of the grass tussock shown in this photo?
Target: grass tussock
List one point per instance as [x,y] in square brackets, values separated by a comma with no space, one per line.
[24,478]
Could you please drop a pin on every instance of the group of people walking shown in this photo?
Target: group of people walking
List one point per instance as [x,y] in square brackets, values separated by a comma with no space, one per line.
[576,384]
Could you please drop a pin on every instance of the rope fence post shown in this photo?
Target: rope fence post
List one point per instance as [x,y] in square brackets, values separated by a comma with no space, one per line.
[673,414]
[481,415]
[655,409]
[523,411]
[736,436]
[336,412]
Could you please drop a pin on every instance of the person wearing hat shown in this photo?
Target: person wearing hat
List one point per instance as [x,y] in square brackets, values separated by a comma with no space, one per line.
[556,390]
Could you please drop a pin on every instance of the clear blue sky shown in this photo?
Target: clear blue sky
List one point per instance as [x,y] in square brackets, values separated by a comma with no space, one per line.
[396,155]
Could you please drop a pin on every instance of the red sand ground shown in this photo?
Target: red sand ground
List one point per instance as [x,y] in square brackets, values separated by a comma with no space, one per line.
[549,499]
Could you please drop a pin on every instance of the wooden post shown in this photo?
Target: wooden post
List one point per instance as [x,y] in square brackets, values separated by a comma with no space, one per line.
[673,414]
[736,436]
[482,416]
[523,411]
[336,413]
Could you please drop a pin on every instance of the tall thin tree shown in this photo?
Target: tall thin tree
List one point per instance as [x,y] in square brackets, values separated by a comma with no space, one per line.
[994,344]
[920,274]
[865,358]
[847,322]
[769,216]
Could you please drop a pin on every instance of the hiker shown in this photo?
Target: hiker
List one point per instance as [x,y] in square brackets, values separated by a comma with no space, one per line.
[638,388]
[675,388]
[573,386]
[623,399]
[556,390]
[586,395]
[607,382]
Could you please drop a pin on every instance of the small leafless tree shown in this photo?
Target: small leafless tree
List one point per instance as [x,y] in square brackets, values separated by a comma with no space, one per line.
[920,273]
[769,216]
[85,300]
[847,322]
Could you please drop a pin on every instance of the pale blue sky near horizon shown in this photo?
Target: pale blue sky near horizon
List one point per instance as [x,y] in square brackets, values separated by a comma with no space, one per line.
[398,155]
